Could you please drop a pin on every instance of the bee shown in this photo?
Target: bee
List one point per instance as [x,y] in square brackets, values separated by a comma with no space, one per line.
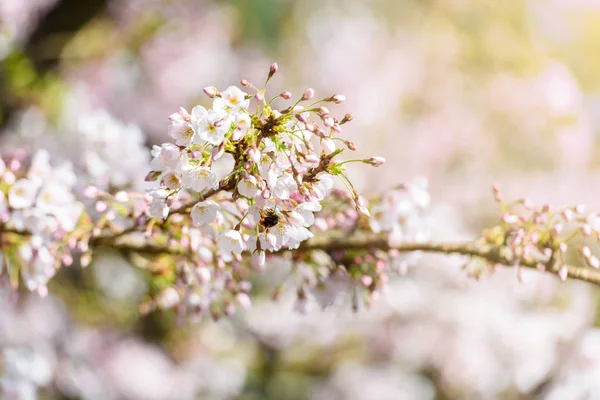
[268,218]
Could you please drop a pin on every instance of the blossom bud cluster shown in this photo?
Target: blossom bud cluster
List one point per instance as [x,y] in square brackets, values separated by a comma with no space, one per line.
[543,234]
[36,200]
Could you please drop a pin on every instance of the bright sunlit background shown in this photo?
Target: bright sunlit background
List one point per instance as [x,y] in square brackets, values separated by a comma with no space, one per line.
[464,92]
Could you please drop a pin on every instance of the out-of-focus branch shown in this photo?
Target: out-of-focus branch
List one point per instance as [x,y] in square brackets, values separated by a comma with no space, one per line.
[45,44]
[61,21]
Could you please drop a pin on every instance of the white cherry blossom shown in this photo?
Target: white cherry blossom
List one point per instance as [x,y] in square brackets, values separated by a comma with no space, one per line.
[199,178]
[38,268]
[181,129]
[231,242]
[166,157]
[247,187]
[53,196]
[204,212]
[323,186]
[158,207]
[232,99]
[23,193]
[213,127]
[40,167]
[172,180]
[242,124]
[285,186]
[290,235]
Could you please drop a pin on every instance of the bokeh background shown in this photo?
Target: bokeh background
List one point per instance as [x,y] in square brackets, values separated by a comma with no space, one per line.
[464,92]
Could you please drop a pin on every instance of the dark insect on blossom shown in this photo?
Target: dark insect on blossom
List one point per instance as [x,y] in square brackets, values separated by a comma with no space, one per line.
[268,218]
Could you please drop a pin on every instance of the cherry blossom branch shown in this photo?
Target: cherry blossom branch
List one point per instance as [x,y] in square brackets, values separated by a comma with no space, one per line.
[279,193]
[491,253]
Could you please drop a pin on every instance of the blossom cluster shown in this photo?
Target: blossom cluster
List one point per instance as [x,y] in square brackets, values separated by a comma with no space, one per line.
[542,236]
[252,180]
[113,153]
[37,201]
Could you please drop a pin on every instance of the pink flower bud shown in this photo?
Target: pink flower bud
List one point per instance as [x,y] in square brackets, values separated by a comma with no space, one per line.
[244,82]
[286,95]
[259,96]
[375,161]
[211,91]
[168,298]
[562,247]
[266,194]
[594,262]
[540,267]
[258,260]
[347,118]
[91,192]
[14,164]
[101,206]
[9,178]
[301,118]
[586,252]
[350,145]
[366,280]
[323,111]
[85,260]
[152,176]
[308,94]
[338,98]
[563,273]
[273,69]
[586,229]
[122,196]
[67,259]
[510,218]
[243,300]
[557,228]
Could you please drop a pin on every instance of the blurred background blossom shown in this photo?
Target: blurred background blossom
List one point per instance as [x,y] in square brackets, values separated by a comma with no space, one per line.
[464,93]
